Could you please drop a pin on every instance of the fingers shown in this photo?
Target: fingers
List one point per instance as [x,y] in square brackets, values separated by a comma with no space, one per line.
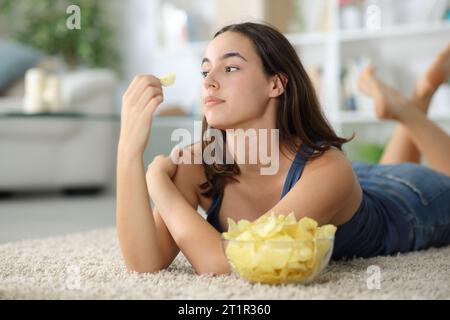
[138,86]
[151,106]
[144,93]
[131,86]
[176,154]
[146,81]
[162,163]
[158,163]
[149,94]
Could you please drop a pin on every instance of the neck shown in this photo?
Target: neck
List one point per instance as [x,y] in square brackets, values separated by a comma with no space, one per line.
[255,146]
[261,155]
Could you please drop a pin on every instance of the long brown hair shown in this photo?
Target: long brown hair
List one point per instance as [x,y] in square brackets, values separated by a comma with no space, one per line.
[298,113]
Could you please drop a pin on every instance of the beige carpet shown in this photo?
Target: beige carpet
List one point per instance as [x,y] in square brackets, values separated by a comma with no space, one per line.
[89,266]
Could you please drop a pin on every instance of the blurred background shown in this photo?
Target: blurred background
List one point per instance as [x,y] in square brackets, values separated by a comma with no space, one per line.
[64,66]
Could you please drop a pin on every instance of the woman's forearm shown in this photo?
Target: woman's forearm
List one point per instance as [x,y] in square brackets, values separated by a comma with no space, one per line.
[196,238]
[134,219]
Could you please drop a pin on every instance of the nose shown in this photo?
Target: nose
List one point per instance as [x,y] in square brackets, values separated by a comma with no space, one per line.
[210,81]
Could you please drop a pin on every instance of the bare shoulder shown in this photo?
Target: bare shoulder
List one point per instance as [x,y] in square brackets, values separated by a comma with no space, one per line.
[190,174]
[342,186]
[333,159]
[333,170]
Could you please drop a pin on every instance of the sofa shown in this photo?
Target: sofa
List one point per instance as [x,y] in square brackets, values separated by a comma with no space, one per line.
[73,149]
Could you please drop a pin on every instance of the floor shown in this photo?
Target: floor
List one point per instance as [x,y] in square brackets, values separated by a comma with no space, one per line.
[89,265]
[37,215]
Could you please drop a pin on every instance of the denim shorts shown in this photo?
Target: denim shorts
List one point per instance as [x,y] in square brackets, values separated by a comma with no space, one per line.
[422,193]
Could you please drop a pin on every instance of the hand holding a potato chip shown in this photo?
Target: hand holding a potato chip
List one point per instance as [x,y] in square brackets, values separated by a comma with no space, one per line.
[139,103]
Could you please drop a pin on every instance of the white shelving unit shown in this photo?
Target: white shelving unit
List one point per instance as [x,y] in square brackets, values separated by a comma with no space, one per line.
[336,46]
[394,47]
[395,31]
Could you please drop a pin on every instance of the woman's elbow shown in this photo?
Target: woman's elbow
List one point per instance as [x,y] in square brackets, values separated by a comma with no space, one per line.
[145,267]
[215,269]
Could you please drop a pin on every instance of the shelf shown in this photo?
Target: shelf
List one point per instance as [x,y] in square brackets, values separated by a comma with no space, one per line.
[296,39]
[352,117]
[356,117]
[197,48]
[395,31]
[61,115]
[305,39]
[321,38]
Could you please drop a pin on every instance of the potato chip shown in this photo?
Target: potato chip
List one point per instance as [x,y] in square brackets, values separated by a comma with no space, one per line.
[242,254]
[267,228]
[278,249]
[168,79]
[271,257]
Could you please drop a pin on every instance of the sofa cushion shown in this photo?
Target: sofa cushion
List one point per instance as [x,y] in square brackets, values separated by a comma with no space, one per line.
[15,60]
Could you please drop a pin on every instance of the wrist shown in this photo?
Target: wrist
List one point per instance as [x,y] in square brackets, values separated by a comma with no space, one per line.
[156,176]
[126,159]
[155,182]
[129,151]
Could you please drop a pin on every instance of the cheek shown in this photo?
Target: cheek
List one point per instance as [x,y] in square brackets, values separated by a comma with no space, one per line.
[246,99]
[249,92]
[251,98]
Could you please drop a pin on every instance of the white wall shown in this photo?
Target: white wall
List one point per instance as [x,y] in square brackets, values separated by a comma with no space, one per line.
[136,22]
[135,36]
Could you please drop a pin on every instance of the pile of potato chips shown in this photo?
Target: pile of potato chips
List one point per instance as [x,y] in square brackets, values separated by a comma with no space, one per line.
[278,249]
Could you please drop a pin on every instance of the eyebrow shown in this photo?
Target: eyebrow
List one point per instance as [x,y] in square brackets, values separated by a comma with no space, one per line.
[226,56]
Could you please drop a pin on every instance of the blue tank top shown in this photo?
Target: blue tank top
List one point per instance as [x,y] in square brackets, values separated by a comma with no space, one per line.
[376,228]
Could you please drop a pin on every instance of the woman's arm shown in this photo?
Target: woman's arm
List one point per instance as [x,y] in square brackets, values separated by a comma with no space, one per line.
[185,181]
[135,224]
[196,238]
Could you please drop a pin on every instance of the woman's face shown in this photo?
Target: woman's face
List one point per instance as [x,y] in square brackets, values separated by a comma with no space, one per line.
[235,91]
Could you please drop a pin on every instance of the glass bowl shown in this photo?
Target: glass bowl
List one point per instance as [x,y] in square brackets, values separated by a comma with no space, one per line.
[278,261]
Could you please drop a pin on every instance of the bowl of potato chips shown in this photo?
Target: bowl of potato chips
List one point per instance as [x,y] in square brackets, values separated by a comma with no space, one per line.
[278,249]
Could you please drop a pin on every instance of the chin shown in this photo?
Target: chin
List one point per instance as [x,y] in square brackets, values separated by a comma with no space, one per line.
[218,124]
[218,121]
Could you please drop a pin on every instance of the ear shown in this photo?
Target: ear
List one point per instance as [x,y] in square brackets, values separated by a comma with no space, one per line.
[278,84]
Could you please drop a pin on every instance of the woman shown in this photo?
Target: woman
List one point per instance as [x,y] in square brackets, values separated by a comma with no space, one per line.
[253,79]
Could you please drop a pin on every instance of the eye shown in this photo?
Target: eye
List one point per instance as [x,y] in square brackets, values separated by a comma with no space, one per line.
[204,73]
[228,69]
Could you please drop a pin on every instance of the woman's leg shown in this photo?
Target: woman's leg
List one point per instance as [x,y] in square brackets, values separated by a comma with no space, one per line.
[401,148]
[431,140]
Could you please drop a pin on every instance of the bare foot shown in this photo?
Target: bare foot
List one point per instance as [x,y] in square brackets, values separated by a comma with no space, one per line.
[389,103]
[437,73]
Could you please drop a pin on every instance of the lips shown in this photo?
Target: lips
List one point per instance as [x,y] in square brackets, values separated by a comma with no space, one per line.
[211,100]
